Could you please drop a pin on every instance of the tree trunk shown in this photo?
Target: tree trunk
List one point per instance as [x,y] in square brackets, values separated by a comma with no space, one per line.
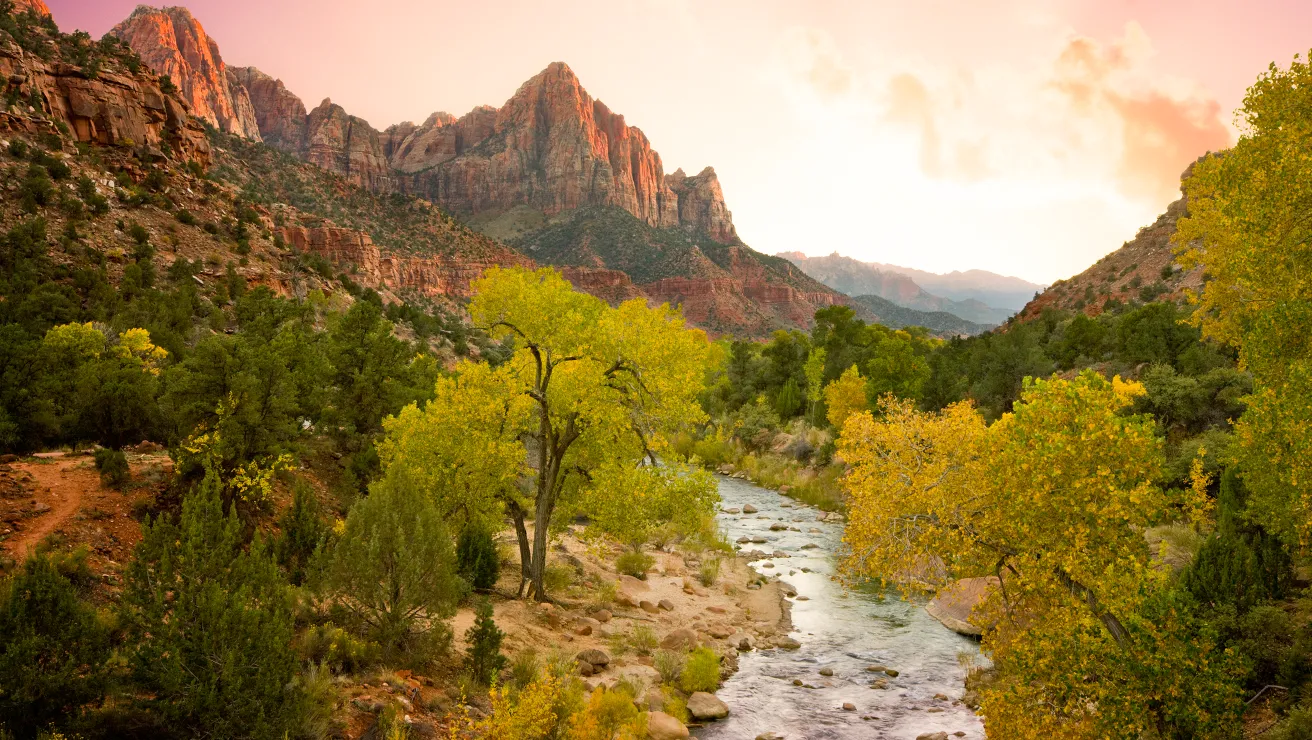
[537,589]
[525,553]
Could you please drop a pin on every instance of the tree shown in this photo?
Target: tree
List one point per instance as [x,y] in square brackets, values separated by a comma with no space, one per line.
[845,397]
[484,660]
[789,400]
[476,558]
[630,502]
[898,366]
[209,625]
[815,379]
[1051,500]
[394,568]
[587,386]
[1247,227]
[52,649]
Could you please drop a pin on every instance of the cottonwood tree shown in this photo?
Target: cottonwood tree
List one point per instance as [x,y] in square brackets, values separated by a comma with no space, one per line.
[1248,227]
[1052,500]
[587,386]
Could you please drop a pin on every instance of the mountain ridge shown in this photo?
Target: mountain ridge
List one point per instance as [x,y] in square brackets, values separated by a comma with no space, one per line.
[551,160]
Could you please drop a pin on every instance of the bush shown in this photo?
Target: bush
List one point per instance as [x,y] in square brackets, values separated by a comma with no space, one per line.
[138,233]
[634,563]
[476,558]
[113,467]
[669,664]
[302,531]
[708,571]
[643,639]
[186,217]
[701,672]
[37,189]
[331,646]
[608,715]
[393,562]
[52,649]
[1297,725]
[210,625]
[484,660]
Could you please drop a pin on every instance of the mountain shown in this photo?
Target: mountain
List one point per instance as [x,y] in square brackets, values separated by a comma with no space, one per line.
[553,172]
[172,42]
[854,277]
[940,323]
[32,6]
[1143,270]
[986,287]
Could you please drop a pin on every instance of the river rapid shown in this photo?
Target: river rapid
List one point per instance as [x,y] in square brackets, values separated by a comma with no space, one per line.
[844,630]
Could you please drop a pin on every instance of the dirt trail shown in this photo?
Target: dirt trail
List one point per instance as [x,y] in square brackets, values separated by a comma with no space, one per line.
[61,485]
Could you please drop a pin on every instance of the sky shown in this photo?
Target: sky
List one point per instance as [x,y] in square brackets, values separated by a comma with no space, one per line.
[1025,137]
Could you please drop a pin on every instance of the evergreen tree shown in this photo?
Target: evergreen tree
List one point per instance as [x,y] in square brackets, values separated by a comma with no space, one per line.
[302,530]
[476,558]
[394,568]
[210,627]
[484,660]
[1240,563]
[52,650]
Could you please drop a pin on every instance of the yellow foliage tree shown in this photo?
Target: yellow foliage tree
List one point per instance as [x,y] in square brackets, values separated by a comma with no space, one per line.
[845,396]
[1052,501]
[1248,227]
[588,386]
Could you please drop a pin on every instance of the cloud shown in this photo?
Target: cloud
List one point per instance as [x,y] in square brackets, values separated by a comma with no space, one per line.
[816,55]
[1161,131]
[910,102]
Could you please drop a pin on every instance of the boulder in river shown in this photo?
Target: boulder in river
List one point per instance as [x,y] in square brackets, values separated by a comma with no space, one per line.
[749,509]
[954,606]
[703,706]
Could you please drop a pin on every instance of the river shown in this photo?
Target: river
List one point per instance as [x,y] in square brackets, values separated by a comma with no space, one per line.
[844,630]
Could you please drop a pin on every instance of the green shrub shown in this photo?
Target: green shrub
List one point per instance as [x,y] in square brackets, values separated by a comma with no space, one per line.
[675,704]
[138,233]
[340,651]
[52,649]
[483,660]
[18,148]
[643,639]
[524,667]
[476,558]
[708,572]
[302,531]
[669,664]
[634,563]
[186,217]
[393,562]
[113,467]
[209,625]
[37,189]
[1297,725]
[701,672]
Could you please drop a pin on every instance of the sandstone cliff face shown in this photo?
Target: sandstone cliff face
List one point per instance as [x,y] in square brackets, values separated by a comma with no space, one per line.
[279,115]
[430,276]
[349,146]
[116,108]
[32,6]
[172,42]
[701,204]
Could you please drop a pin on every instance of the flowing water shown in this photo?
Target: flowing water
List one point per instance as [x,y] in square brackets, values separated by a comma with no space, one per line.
[839,628]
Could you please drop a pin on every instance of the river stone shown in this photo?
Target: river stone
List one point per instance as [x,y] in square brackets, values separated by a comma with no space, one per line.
[826,671]
[933,736]
[788,643]
[876,668]
[744,540]
[849,706]
[749,509]
[778,527]
[703,706]
[810,546]
[759,540]
[879,683]
[769,736]
[787,588]
[891,673]
[680,639]
[731,511]
[661,726]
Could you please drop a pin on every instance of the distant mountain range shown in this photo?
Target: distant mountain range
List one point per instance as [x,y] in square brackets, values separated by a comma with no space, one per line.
[977,296]
[940,323]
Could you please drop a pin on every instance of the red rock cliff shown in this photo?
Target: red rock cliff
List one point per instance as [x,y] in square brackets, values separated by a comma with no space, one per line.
[116,108]
[172,42]
[31,6]
[279,115]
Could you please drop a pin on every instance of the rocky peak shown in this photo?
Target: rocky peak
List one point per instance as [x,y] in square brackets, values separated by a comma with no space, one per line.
[701,204]
[280,116]
[172,42]
[32,6]
[349,146]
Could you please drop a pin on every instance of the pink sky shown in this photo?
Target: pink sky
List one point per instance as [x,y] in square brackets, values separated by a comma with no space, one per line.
[1028,137]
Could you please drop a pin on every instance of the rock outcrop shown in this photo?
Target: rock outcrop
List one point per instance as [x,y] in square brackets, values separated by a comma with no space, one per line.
[118,107]
[427,275]
[172,42]
[701,204]
[32,6]
[348,146]
[280,116]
